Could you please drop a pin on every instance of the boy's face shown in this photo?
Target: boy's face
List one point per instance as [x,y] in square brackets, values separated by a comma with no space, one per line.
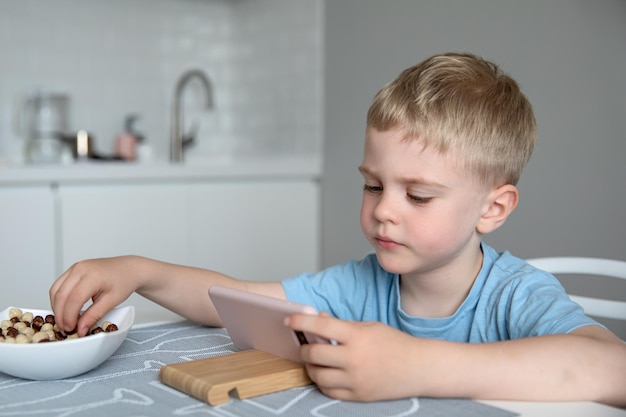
[419,210]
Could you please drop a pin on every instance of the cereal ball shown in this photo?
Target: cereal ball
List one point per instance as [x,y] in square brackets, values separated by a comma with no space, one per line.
[96,330]
[37,323]
[28,331]
[27,316]
[22,338]
[15,312]
[20,326]
[11,332]
[40,337]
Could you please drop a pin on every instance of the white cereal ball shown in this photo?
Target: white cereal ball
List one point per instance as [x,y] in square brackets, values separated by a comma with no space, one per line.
[39,336]
[15,312]
[28,316]
[47,327]
[20,326]
[9,340]
[21,338]
[28,331]
[6,324]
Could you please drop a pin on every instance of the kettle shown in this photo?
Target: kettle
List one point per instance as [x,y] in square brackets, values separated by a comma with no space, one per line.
[42,120]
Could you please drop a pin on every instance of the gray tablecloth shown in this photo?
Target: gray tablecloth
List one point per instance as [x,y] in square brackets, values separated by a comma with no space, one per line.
[128,385]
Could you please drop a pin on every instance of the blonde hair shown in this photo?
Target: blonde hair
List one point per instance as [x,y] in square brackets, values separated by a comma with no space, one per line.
[461,103]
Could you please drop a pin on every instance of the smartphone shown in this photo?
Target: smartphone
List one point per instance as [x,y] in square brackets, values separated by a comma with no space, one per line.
[255,321]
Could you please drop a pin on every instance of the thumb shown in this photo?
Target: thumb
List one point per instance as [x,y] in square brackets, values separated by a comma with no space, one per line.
[89,318]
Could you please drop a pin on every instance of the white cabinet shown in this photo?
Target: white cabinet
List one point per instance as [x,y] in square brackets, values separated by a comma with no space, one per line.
[27,245]
[264,230]
[254,219]
[257,230]
[109,220]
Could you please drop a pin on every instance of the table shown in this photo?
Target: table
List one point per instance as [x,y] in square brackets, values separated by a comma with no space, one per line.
[127,384]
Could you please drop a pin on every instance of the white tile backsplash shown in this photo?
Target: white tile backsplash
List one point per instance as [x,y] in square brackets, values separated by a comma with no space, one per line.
[118,57]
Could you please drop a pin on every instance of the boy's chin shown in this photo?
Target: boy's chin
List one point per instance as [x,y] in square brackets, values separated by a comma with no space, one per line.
[392,264]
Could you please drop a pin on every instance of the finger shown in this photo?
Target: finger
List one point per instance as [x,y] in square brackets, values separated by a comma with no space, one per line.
[70,297]
[343,394]
[325,355]
[327,378]
[83,321]
[59,294]
[91,316]
[321,325]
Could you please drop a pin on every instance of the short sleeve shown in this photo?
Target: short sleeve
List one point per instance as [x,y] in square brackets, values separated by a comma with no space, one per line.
[356,290]
[538,305]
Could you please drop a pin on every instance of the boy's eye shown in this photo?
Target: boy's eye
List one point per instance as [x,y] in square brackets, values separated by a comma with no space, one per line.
[419,200]
[372,188]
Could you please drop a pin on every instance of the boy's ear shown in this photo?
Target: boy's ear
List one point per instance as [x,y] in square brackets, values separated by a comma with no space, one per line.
[499,204]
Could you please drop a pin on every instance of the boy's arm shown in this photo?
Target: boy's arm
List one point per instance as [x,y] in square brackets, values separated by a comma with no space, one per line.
[373,361]
[110,281]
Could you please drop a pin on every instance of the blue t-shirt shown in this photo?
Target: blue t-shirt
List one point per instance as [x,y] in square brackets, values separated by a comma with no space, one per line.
[510,299]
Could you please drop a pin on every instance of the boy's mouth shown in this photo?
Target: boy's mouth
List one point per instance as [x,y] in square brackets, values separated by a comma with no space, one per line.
[386,243]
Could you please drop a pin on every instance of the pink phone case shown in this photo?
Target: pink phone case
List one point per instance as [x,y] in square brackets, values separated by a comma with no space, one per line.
[255,321]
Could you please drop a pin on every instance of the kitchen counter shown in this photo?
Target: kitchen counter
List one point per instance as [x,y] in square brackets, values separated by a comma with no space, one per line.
[91,172]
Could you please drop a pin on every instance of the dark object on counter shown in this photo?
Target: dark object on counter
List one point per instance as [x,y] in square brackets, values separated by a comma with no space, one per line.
[82,146]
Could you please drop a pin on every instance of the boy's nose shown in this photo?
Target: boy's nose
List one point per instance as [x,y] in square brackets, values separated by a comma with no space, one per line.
[386,209]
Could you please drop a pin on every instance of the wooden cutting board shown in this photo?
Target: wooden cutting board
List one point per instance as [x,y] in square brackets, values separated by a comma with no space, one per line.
[245,374]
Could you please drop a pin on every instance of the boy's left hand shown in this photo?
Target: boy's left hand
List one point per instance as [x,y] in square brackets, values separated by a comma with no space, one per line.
[368,363]
[372,361]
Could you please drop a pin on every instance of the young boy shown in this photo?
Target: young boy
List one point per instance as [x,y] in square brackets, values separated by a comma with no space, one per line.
[435,311]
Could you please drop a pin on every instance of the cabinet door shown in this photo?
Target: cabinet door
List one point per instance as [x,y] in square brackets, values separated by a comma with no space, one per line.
[27,255]
[255,230]
[111,220]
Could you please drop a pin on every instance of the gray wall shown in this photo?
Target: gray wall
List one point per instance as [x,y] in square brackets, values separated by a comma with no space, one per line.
[569,57]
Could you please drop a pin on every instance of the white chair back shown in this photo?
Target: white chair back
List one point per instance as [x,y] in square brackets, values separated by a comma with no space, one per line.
[589,266]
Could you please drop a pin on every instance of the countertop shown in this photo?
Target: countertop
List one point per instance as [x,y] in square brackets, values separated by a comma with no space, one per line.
[90,172]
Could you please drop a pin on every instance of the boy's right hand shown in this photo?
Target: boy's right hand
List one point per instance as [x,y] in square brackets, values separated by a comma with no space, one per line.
[107,282]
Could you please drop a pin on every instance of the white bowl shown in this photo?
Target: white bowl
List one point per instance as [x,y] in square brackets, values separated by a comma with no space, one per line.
[66,358]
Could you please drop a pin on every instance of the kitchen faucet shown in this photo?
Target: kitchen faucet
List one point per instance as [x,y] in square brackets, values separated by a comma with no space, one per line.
[178,140]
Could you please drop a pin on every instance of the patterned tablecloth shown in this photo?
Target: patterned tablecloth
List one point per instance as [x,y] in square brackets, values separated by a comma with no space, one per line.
[128,385]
